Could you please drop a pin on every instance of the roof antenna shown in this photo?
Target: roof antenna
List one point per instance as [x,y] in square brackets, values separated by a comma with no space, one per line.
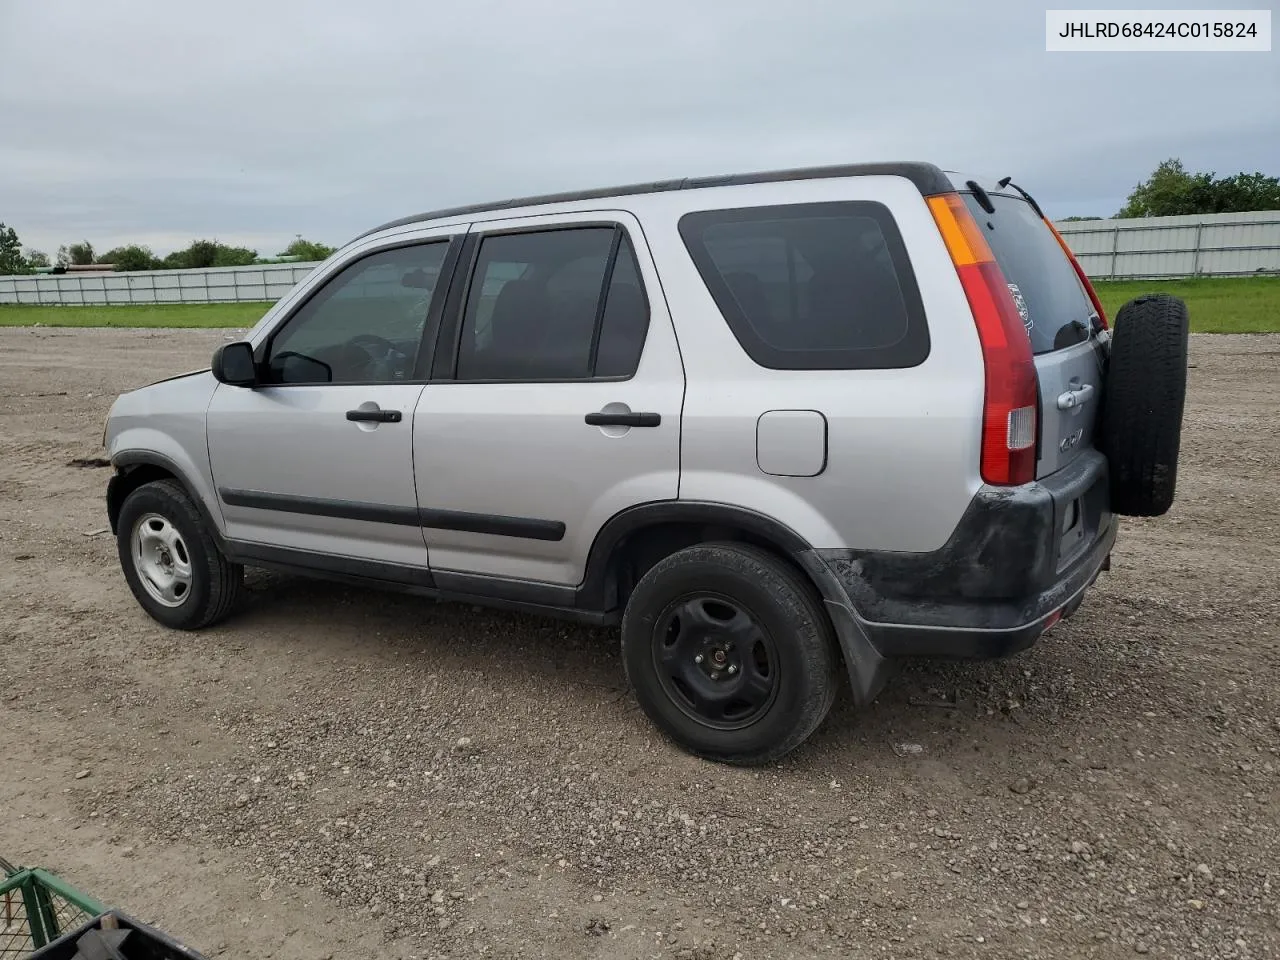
[1004,183]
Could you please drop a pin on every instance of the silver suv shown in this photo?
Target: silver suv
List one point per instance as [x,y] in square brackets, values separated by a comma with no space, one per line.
[780,427]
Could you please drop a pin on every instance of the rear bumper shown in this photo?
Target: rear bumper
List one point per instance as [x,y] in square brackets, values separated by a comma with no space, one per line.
[1019,559]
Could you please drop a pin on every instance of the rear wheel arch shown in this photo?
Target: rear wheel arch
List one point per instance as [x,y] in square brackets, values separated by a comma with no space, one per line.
[636,539]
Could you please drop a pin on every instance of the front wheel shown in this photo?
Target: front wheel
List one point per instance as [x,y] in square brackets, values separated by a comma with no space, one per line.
[730,653]
[171,561]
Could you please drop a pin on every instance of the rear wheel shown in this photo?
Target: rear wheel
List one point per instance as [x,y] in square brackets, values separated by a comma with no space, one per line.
[171,561]
[730,653]
[1141,428]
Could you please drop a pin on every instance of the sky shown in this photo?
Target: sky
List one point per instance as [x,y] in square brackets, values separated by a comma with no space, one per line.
[162,122]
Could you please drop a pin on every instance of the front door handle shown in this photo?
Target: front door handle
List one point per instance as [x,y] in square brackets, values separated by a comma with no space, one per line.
[1075,397]
[624,419]
[374,416]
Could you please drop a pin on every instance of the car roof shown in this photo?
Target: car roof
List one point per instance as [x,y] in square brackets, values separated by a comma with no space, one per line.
[927,178]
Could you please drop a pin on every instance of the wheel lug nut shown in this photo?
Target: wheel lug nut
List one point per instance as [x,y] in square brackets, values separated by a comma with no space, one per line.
[732,669]
[715,675]
[698,658]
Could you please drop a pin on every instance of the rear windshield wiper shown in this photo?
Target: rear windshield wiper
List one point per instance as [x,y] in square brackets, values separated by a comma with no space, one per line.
[1008,182]
[1095,324]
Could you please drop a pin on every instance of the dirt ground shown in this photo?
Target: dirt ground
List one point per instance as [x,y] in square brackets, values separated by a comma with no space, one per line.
[336,772]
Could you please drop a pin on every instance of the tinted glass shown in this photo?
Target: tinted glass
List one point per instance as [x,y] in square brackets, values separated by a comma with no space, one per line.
[814,286]
[1054,306]
[626,318]
[535,301]
[365,325]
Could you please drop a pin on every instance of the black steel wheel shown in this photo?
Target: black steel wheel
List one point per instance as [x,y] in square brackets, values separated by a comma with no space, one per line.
[715,661]
[730,652]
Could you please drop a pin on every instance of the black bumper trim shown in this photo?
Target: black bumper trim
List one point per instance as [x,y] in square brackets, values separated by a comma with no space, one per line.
[1008,568]
[904,640]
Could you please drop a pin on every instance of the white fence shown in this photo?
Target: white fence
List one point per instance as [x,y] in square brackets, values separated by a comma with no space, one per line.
[1211,244]
[1216,245]
[265,282]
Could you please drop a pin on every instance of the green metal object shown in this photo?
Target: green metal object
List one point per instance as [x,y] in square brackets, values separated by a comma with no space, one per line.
[36,908]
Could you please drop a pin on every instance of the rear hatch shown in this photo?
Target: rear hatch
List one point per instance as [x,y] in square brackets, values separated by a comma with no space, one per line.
[1059,319]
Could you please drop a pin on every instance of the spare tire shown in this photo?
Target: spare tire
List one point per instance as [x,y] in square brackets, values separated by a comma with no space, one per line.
[1145,392]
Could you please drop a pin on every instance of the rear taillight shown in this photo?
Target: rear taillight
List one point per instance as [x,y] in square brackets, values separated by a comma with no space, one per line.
[1084,280]
[1009,406]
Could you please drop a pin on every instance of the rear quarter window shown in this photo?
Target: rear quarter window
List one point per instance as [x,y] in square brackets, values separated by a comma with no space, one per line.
[824,286]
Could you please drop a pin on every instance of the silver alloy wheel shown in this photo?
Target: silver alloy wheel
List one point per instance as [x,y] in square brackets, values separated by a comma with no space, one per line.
[161,560]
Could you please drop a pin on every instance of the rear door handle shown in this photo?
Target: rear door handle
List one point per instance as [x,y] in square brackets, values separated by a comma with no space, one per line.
[1075,397]
[374,416]
[624,419]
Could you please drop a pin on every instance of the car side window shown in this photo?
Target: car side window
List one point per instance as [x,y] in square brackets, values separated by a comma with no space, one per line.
[564,304]
[363,326]
[625,320]
[812,286]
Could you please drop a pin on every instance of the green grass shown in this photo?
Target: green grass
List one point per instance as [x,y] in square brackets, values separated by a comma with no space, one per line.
[139,315]
[1218,305]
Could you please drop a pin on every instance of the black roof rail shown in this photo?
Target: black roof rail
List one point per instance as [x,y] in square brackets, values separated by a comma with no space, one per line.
[927,178]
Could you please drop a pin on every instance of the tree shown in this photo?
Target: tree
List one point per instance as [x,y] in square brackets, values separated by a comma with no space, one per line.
[11,259]
[37,258]
[201,253]
[1171,191]
[1078,219]
[131,257]
[81,254]
[234,256]
[307,250]
[208,253]
[1248,191]
[63,258]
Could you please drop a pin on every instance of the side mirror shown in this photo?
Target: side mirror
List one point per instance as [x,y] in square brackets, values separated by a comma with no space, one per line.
[233,365]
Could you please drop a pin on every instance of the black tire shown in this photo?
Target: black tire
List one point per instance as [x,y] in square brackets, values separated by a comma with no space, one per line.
[1146,390]
[798,643]
[214,582]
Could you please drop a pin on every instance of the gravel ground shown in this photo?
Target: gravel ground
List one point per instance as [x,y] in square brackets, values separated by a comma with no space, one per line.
[337,770]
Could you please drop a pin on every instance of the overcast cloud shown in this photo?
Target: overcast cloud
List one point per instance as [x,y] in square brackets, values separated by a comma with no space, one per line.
[159,122]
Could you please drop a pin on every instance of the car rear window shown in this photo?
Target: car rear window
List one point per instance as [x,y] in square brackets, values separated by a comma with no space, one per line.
[1055,308]
[825,286]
